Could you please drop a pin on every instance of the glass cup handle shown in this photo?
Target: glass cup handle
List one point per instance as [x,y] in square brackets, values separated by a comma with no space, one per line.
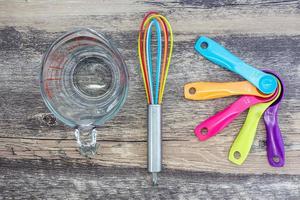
[87,148]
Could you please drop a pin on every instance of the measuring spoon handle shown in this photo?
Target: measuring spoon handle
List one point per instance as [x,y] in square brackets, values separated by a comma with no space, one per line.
[275,145]
[242,144]
[213,90]
[216,53]
[215,124]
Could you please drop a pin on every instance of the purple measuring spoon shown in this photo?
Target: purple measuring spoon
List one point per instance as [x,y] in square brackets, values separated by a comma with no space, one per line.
[275,145]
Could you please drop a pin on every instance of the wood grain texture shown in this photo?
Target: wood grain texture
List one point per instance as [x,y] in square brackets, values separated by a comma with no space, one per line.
[54,180]
[266,34]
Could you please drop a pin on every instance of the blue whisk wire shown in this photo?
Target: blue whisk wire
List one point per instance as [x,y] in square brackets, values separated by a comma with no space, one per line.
[154,96]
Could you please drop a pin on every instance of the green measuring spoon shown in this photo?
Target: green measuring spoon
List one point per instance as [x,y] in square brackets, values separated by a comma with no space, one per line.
[242,144]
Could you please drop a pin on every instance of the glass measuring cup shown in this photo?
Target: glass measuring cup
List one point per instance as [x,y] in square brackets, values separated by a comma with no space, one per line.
[84,83]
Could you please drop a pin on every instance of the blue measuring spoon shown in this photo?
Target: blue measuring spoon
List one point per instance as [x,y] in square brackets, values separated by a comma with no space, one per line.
[216,53]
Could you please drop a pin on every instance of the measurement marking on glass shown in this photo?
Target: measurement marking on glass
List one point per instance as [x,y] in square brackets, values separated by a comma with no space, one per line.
[55,67]
[48,91]
[53,79]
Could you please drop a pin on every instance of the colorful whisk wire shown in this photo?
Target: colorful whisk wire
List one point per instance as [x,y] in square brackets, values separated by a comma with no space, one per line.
[154,92]
[154,87]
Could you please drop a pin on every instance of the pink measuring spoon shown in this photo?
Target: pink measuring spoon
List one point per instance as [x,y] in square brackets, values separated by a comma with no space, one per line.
[216,123]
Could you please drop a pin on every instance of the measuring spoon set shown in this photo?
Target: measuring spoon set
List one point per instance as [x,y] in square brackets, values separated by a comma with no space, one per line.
[261,94]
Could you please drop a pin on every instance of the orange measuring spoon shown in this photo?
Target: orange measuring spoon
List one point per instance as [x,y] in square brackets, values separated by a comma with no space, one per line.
[213,90]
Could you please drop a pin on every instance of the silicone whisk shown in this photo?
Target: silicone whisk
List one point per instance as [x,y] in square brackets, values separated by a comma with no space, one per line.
[155,80]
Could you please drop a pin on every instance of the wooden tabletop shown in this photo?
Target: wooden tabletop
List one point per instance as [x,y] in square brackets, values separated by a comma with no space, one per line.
[39,156]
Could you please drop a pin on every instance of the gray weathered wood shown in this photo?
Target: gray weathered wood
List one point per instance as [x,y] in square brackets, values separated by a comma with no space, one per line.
[264,34]
[56,180]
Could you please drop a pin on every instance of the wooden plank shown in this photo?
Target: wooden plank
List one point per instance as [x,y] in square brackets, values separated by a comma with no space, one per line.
[190,155]
[215,17]
[55,180]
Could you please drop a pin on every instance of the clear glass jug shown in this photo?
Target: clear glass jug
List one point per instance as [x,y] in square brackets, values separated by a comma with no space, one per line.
[84,82]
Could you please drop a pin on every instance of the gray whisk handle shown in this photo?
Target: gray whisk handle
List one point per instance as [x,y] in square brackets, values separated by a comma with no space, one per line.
[154,138]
